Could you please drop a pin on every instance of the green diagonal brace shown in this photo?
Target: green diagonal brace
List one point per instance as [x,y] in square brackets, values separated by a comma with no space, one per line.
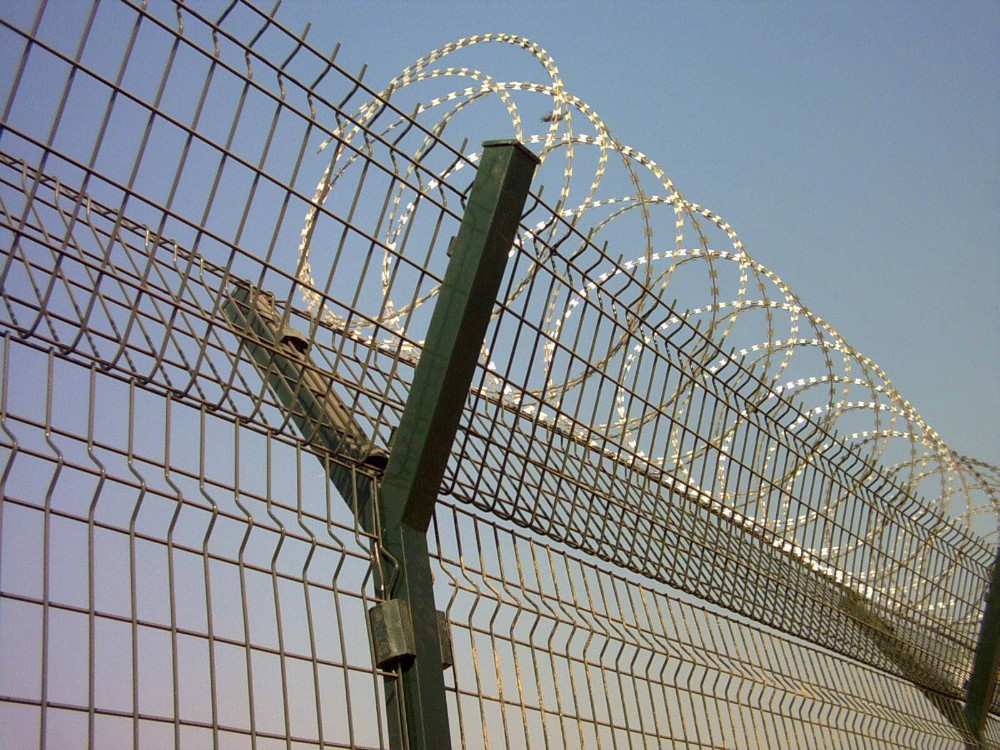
[281,357]
[426,432]
[423,440]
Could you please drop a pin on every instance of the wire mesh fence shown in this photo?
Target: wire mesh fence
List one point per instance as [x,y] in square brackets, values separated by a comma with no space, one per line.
[680,509]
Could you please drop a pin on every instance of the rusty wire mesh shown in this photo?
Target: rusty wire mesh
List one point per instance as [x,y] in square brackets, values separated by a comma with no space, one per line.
[681,510]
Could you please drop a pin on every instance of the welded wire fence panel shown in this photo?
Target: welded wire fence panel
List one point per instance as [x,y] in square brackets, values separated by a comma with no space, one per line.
[171,578]
[680,511]
[749,491]
[554,651]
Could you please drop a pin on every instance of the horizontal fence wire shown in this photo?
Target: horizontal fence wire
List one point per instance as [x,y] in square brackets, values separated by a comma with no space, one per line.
[203,587]
[664,522]
[553,651]
[836,551]
[171,578]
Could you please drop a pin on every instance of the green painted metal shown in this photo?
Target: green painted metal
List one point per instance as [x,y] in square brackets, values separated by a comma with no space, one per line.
[426,432]
[280,354]
[392,632]
[983,682]
[418,649]
[422,442]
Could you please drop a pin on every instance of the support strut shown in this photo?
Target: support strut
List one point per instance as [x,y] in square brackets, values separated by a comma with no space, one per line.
[410,635]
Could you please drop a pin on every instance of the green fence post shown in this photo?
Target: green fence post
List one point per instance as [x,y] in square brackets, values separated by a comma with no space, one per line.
[426,432]
[407,629]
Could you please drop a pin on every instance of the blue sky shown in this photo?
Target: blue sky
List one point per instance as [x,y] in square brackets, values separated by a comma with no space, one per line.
[853,146]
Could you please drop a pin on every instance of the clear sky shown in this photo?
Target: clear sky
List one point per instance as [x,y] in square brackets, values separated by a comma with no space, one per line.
[855,147]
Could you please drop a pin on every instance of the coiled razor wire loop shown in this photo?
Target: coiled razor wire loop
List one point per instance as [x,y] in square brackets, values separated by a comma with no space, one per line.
[843,391]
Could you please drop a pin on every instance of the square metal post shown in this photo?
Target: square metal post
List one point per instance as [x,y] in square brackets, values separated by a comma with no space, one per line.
[426,432]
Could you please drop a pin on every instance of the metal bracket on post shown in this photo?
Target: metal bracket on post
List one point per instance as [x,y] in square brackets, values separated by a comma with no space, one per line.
[392,632]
